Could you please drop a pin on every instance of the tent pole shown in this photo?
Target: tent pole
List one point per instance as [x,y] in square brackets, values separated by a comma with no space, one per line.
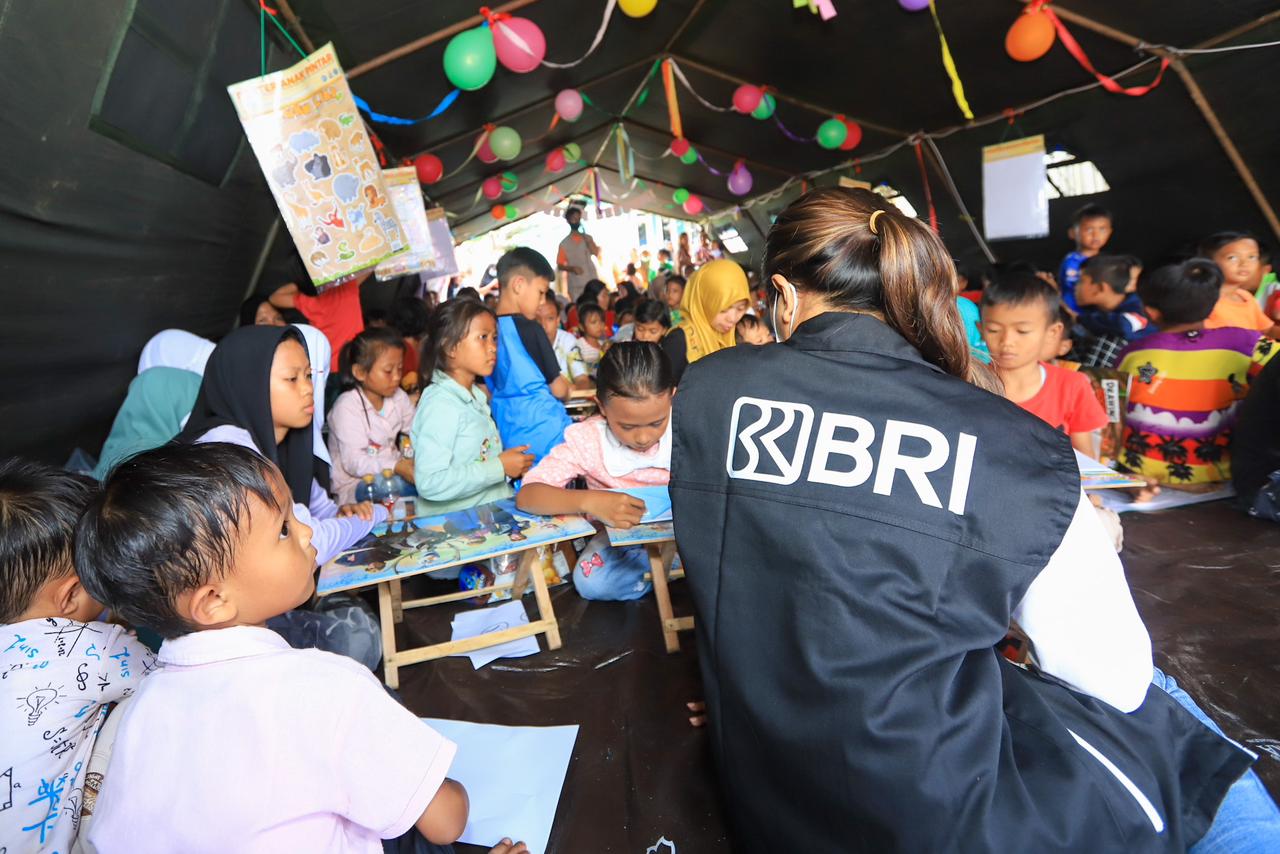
[431,38]
[295,25]
[595,161]
[940,168]
[1233,154]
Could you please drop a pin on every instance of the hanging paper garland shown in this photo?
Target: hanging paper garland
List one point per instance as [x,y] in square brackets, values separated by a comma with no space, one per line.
[1077,52]
[673,105]
[470,59]
[957,88]
[595,42]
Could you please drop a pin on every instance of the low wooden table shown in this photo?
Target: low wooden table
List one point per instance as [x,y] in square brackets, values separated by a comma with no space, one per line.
[418,545]
[659,540]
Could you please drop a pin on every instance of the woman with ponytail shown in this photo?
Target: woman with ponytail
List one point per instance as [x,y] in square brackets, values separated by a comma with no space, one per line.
[861,521]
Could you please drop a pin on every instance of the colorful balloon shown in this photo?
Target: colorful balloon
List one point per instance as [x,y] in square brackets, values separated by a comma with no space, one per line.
[680,196]
[485,154]
[512,212]
[746,98]
[853,137]
[637,8]
[1030,37]
[679,146]
[569,104]
[492,187]
[519,44]
[693,206]
[498,212]
[689,158]
[429,167]
[740,180]
[555,160]
[510,183]
[832,133]
[765,110]
[573,152]
[470,60]
[505,143]
[914,5]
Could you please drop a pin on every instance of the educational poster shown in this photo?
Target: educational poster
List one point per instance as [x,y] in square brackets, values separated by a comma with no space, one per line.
[311,144]
[442,242]
[1015,189]
[406,198]
[426,543]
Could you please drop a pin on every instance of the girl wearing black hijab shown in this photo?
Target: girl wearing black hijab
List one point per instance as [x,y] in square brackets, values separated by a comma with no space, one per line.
[860,522]
[257,392]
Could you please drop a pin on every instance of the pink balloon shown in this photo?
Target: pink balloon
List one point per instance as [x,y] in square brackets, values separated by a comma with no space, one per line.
[693,206]
[492,187]
[485,154]
[569,104]
[555,160]
[519,43]
[740,180]
[914,5]
[680,147]
[746,98]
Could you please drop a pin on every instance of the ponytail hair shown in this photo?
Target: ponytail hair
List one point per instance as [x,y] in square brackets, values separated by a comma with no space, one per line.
[364,350]
[634,369]
[445,330]
[825,243]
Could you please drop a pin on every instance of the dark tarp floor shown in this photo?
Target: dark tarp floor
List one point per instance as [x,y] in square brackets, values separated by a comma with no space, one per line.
[1206,581]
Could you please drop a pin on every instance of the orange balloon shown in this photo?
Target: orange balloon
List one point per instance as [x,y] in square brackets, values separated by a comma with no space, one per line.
[1030,37]
[498,212]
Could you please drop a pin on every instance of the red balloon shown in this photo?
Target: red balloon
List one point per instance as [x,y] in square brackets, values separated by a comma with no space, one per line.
[492,187]
[498,212]
[485,154]
[693,206]
[853,137]
[555,160]
[747,97]
[680,147]
[429,167]
[1030,37]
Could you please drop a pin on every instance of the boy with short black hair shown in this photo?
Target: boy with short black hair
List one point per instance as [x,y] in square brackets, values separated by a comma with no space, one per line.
[1187,379]
[1091,228]
[60,669]
[1110,313]
[238,742]
[1019,319]
[528,390]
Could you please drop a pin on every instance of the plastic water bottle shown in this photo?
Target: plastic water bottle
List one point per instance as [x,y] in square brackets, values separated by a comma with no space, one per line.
[388,492]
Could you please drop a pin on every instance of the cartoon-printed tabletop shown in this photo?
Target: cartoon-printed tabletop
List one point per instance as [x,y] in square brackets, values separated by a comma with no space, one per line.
[405,547]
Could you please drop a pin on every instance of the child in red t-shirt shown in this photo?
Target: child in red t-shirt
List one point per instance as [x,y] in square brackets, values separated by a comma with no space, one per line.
[1019,317]
[335,311]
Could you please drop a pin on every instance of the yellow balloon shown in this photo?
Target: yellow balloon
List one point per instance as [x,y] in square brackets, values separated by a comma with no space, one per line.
[637,8]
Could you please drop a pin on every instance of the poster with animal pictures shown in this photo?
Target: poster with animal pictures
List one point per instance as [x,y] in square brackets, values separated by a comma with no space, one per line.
[311,144]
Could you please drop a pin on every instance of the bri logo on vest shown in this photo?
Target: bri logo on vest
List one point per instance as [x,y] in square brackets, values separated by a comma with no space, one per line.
[771,449]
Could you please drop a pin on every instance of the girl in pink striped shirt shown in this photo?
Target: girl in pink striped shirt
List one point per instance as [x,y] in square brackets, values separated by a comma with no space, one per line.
[627,445]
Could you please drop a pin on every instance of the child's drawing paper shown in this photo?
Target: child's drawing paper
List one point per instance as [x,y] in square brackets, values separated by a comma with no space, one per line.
[1169,498]
[642,534]
[657,502]
[1095,475]
[473,624]
[513,776]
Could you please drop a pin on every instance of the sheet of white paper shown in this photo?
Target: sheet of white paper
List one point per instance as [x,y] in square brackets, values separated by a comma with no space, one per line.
[513,776]
[1015,189]
[470,624]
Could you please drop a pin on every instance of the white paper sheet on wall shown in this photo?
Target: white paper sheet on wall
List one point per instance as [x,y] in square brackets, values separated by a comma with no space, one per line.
[1015,189]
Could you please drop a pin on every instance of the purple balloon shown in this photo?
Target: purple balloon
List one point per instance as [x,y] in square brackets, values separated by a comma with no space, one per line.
[740,181]
[914,5]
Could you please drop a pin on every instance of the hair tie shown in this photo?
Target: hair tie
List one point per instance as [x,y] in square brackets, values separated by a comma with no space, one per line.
[871,223]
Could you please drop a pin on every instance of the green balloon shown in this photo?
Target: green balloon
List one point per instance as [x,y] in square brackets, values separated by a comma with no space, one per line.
[766,107]
[470,60]
[505,143]
[680,196]
[832,133]
[689,157]
[510,183]
[512,212]
[572,152]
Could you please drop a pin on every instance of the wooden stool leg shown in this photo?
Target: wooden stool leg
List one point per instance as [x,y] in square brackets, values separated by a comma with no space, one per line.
[531,564]
[386,613]
[658,569]
[397,600]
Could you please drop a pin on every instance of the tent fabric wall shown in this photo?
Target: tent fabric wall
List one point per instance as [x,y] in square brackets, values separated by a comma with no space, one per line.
[100,246]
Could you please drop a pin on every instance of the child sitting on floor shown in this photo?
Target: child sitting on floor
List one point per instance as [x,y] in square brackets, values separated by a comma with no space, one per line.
[458,456]
[368,419]
[1187,379]
[1019,315]
[627,445]
[293,750]
[62,669]
[1110,313]
[1238,257]
[751,330]
[593,338]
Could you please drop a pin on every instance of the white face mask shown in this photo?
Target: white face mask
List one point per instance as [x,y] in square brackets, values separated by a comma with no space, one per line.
[791,323]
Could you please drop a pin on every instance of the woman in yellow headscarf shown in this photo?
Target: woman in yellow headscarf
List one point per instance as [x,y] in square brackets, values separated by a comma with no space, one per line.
[714,301]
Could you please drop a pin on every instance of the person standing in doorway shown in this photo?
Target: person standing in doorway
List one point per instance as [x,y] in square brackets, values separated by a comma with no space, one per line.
[576,258]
